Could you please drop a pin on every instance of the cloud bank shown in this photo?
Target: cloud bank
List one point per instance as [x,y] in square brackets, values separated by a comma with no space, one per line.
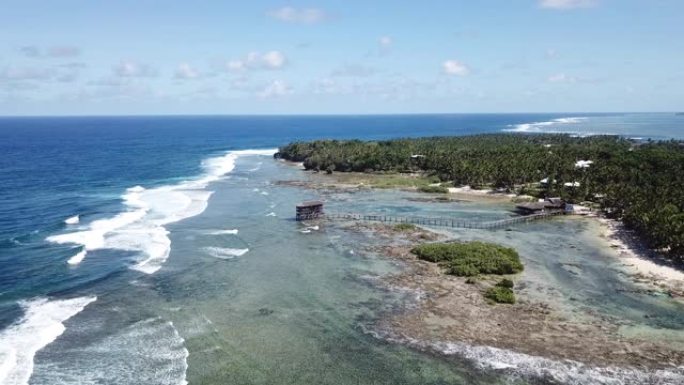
[456,68]
[567,4]
[299,15]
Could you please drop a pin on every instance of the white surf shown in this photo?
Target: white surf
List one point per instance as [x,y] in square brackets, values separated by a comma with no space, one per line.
[141,228]
[42,322]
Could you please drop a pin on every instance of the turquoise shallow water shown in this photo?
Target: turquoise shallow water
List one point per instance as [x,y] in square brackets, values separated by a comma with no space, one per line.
[185,264]
[267,305]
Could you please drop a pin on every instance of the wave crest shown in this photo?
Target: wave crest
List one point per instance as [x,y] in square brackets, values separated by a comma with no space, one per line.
[42,323]
[542,127]
[140,229]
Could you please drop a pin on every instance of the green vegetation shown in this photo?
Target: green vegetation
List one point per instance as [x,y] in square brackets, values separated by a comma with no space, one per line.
[500,294]
[385,179]
[405,227]
[433,189]
[472,258]
[641,184]
[507,283]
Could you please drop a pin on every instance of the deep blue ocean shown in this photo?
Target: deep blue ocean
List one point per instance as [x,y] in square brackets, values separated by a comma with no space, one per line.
[108,191]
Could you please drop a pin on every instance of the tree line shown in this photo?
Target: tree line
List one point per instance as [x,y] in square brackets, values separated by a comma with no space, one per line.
[640,183]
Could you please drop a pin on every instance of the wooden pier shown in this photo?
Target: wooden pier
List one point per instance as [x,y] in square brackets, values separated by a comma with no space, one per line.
[443,222]
[313,210]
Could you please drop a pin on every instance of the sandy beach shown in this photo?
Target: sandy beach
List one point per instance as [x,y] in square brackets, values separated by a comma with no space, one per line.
[643,265]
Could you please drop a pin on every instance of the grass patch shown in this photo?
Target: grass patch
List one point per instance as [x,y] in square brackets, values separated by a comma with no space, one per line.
[405,227]
[385,180]
[472,258]
[433,189]
[500,294]
[523,199]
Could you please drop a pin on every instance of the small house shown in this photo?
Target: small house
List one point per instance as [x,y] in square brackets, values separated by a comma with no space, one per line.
[543,206]
[309,210]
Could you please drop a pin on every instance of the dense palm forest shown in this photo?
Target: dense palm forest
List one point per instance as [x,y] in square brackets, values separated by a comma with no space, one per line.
[641,183]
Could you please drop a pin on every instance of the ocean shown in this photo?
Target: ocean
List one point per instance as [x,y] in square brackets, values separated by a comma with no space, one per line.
[159,250]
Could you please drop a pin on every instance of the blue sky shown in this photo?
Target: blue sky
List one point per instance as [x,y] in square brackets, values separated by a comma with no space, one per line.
[85,57]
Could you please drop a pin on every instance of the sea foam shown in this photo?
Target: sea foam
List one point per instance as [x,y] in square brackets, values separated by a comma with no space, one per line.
[141,228]
[561,372]
[224,232]
[41,324]
[72,220]
[548,126]
[77,258]
[225,252]
[521,365]
[149,352]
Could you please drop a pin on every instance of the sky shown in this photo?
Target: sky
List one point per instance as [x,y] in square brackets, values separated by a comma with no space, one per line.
[133,57]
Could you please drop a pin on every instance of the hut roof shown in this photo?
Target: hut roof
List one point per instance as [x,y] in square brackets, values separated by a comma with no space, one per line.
[532,206]
[549,203]
[310,204]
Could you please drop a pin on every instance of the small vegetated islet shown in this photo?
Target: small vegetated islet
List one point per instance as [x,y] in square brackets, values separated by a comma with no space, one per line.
[472,258]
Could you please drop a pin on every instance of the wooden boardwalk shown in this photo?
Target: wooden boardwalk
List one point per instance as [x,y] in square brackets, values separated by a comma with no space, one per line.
[442,222]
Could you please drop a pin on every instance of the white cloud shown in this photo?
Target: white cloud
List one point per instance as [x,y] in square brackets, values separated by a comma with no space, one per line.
[561,78]
[564,78]
[272,60]
[61,51]
[385,41]
[455,67]
[275,89]
[24,78]
[567,4]
[297,15]
[327,86]
[132,69]
[235,65]
[186,71]
[24,73]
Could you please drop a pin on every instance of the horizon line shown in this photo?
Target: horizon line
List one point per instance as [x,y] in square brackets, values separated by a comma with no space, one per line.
[331,114]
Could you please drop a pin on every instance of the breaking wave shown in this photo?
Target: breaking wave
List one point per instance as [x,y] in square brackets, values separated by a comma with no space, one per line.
[141,228]
[72,220]
[42,323]
[520,365]
[555,125]
[150,352]
[225,252]
[223,232]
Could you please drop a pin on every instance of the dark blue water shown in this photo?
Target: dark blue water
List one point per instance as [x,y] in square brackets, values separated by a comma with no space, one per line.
[54,168]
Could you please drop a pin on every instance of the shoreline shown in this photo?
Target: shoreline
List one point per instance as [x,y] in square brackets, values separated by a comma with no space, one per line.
[642,265]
